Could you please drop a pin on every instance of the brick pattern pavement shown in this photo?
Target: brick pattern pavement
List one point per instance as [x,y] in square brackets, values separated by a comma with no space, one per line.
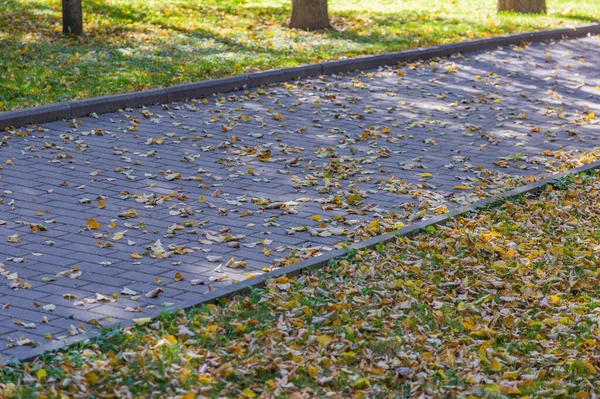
[180,190]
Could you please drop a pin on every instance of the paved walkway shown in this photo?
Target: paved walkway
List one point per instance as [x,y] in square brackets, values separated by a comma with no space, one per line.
[105,218]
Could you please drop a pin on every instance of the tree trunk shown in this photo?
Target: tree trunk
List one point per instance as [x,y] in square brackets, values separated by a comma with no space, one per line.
[309,14]
[72,17]
[523,6]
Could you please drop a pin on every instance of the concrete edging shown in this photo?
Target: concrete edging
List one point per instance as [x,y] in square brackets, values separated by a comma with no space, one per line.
[99,105]
[246,286]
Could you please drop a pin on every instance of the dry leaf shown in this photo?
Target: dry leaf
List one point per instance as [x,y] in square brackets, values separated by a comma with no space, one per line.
[154,293]
[92,224]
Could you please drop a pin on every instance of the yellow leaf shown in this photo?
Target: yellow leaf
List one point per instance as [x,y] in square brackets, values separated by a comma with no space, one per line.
[312,371]
[494,388]
[92,224]
[238,327]
[362,383]
[590,367]
[142,321]
[278,117]
[495,365]
[554,300]
[353,199]
[172,340]
[316,218]
[91,378]
[205,380]
[118,236]
[41,373]
[462,187]
[324,340]
[101,203]
[511,375]
[473,379]
[509,389]
[178,276]
[14,238]
[135,255]
[248,393]
[425,175]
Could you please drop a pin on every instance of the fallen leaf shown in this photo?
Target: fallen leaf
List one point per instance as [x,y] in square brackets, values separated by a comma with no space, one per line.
[154,293]
[14,238]
[142,321]
[92,224]
[127,291]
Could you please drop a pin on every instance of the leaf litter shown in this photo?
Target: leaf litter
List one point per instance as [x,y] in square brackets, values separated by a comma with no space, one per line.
[498,303]
[337,177]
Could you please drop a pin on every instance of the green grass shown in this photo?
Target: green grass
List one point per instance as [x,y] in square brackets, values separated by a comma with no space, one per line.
[140,44]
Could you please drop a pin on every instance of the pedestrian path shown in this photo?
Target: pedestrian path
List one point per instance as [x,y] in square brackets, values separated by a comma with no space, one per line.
[107,218]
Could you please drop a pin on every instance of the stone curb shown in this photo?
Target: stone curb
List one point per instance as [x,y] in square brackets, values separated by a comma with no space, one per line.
[102,105]
[246,286]
[205,88]
[99,105]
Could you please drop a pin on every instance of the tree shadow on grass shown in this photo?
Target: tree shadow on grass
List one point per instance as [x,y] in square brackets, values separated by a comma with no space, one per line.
[131,47]
[586,18]
[385,30]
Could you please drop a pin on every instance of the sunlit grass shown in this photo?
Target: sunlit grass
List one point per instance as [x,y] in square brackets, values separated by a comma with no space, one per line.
[139,44]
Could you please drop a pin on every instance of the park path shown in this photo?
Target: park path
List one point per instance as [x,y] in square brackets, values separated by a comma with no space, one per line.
[107,218]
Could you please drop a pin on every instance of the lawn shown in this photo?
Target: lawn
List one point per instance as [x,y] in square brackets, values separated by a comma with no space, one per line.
[140,44]
[501,303]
